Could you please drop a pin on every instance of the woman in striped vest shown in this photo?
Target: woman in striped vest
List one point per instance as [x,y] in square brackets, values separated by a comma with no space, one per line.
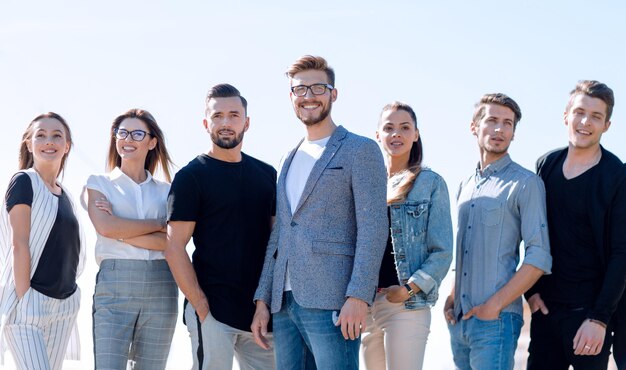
[41,252]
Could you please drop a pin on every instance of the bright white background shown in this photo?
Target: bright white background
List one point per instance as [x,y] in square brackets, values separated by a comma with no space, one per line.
[90,61]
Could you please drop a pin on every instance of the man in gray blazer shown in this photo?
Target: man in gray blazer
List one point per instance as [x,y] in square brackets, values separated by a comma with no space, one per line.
[324,253]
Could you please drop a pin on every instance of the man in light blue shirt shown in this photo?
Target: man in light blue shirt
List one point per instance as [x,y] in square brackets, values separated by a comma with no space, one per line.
[500,205]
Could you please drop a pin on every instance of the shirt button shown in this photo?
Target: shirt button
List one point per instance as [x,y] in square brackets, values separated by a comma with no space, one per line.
[463,295]
[465,252]
[472,205]
[469,227]
[293,223]
[465,274]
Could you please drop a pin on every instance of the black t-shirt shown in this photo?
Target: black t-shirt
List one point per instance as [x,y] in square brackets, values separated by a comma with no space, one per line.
[232,205]
[55,275]
[388,275]
[577,270]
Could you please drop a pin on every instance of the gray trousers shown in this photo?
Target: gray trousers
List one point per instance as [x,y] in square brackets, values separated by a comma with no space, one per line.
[135,306]
[213,345]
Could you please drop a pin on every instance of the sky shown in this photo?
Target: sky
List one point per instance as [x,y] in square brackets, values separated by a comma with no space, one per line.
[91,61]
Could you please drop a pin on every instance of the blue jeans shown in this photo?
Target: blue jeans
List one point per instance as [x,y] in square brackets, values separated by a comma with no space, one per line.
[307,338]
[485,345]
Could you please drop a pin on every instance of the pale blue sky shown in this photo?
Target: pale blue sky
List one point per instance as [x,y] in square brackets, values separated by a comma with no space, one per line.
[90,61]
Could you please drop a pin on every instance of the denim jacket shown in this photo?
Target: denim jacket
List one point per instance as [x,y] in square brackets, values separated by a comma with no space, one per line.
[421,234]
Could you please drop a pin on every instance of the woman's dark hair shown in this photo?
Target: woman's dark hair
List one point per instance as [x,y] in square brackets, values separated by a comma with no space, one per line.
[398,192]
[25,159]
[157,156]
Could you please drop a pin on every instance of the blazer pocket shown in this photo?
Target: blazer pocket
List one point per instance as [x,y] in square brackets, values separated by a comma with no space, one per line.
[333,171]
[324,247]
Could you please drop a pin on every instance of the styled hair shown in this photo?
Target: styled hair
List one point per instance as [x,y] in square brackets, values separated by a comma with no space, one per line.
[26,157]
[308,62]
[594,89]
[225,91]
[397,191]
[155,157]
[500,99]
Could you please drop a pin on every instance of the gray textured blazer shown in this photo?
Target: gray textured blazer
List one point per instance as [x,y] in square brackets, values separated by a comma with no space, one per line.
[335,239]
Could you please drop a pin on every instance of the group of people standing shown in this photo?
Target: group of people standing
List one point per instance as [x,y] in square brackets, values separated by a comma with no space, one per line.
[337,256]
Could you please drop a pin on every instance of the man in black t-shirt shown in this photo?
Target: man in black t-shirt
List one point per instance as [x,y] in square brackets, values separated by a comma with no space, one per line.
[226,200]
[574,309]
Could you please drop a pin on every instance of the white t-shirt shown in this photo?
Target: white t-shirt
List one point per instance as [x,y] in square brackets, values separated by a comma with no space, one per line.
[128,199]
[297,175]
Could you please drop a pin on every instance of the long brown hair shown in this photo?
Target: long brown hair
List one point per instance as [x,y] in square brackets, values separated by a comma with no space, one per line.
[25,159]
[399,185]
[157,156]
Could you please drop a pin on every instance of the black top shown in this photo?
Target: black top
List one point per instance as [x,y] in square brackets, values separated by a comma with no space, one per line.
[388,275]
[577,270]
[232,205]
[606,205]
[55,275]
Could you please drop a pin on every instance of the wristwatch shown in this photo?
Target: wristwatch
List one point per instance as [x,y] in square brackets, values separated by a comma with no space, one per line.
[410,290]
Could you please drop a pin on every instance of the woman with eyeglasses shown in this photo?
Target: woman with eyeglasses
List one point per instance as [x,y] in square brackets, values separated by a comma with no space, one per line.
[135,302]
[41,253]
[419,248]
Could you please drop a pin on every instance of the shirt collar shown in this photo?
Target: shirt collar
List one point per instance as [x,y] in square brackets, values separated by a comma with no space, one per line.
[117,174]
[494,167]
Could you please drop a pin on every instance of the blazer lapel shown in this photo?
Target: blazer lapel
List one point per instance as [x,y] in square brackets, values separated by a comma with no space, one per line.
[331,148]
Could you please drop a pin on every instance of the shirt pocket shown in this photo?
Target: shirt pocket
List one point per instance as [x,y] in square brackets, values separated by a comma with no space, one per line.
[491,212]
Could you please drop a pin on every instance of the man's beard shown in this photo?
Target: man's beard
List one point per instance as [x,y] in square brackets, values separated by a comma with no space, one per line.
[315,120]
[227,143]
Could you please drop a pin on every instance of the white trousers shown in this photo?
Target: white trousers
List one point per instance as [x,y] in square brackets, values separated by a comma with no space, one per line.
[394,338]
[39,329]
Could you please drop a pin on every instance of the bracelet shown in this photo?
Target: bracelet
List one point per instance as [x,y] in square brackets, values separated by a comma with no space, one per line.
[597,322]
[409,290]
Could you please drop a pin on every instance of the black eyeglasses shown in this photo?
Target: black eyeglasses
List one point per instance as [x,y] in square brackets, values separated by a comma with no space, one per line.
[136,135]
[316,89]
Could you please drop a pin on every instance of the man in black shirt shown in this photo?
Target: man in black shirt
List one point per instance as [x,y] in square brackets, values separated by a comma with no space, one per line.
[226,200]
[586,204]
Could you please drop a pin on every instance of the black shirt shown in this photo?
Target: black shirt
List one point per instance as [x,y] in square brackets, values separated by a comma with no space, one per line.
[55,275]
[577,270]
[388,275]
[232,205]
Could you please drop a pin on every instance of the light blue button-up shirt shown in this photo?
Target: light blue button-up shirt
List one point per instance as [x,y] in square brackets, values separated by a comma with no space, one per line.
[498,207]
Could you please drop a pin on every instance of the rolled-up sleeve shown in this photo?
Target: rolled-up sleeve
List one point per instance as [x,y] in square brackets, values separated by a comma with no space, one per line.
[534,224]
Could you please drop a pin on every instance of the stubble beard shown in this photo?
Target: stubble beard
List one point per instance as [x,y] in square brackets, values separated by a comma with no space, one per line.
[227,143]
[311,121]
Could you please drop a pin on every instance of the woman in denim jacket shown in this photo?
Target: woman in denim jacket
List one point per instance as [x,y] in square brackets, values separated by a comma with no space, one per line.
[419,248]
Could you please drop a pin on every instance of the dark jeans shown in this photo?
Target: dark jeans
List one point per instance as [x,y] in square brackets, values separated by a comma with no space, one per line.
[552,338]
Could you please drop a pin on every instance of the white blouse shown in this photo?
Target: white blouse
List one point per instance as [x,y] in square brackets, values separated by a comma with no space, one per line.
[128,199]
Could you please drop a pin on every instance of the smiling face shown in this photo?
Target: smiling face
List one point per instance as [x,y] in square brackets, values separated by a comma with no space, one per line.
[494,132]
[131,150]
[312,109]
[48,142]
[397,133]
[226,121]
[586,121]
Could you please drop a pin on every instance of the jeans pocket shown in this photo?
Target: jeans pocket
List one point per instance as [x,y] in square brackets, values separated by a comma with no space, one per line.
[488,328]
